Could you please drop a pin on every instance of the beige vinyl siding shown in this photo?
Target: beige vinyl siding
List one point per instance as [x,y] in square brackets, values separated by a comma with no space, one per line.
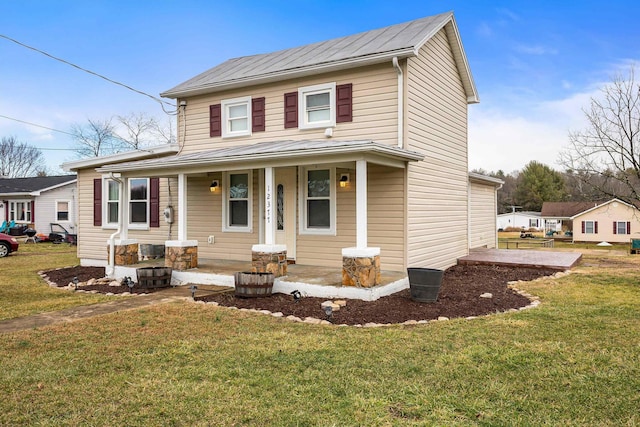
[92,241]
[436,125]
[327,250]
[204,219]
[482,215]
[386,209]
[605,215]
[374,110]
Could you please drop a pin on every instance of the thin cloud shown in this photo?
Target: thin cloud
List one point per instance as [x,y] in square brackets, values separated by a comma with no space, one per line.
[535,50]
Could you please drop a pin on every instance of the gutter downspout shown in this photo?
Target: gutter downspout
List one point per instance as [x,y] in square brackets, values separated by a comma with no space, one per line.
[112,245]
[396,65]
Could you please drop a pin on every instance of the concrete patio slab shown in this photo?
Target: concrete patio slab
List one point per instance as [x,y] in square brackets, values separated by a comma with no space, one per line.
[523,258]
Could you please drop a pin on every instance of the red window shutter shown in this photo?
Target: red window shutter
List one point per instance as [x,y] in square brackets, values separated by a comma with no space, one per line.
[291,110]
[628,227]
[615,227]
[33,211]
[215,120]
[97,202]
[595,227]
[583,227]
[154,202]
[344,103]
[257,115]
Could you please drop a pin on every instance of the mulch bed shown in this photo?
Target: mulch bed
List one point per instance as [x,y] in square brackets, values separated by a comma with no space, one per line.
[459,296]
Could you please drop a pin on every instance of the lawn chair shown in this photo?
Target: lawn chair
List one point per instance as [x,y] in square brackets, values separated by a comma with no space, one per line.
[3,227]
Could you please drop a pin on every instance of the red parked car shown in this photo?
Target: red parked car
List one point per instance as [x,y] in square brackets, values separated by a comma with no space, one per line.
[8,244]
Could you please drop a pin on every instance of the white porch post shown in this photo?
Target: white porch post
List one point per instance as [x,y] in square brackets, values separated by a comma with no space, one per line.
[269,207]
[361,204]
[123,199]
[182,207]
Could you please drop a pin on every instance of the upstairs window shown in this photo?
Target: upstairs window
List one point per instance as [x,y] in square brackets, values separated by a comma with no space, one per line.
[236,117]
[317,106]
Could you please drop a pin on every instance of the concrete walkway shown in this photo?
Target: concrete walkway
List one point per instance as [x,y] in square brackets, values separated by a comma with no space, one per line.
[122,304]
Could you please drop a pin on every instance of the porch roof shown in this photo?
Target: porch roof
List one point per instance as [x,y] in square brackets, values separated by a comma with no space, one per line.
[279,153]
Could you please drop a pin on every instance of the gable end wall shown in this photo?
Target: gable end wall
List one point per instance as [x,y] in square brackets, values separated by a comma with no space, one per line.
[436,112]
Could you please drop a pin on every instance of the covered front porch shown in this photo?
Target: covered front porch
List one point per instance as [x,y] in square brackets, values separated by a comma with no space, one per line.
[319,281]
[270,207]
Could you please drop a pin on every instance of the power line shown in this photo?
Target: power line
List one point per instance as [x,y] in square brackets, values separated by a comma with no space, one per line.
[34,124]
[158,100]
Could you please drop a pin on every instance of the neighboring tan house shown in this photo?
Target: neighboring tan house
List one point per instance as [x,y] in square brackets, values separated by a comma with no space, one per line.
[523,220]
[351,151]
[37,202]
[557,215]
[612,221]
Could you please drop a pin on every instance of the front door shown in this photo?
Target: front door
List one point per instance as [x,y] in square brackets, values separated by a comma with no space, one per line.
[285,195]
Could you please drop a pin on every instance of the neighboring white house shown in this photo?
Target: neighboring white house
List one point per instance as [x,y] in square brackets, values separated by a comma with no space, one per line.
[39,201]
[520,220]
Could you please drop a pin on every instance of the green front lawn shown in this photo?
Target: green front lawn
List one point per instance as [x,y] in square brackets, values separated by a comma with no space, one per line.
[575,360]
[23,292]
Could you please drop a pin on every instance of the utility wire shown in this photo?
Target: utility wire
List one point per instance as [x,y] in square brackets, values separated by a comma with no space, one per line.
[158,100]
[34,124]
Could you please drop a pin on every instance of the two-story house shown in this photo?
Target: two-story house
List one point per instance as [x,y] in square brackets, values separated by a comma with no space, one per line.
[349,153]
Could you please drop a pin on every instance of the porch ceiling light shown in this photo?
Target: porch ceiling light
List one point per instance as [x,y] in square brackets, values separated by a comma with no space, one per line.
[214,186]
[344,180]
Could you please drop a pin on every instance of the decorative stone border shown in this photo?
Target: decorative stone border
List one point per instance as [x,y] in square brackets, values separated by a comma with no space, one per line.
[48,281]
[534,302]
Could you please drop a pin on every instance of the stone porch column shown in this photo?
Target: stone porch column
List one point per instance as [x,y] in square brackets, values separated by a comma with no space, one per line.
[269,259]
[125,250]
[361,267]
[181,254]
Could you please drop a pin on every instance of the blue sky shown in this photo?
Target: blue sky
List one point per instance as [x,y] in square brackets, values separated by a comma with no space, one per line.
[535,63]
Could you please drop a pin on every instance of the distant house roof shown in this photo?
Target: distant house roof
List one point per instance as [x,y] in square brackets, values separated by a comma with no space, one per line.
[33,185]
[565,209]
[603,204]
[370,47]
[522,213]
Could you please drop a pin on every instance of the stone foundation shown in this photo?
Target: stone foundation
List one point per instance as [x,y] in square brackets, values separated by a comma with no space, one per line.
[361,272]
[266,261]
[181,257]
[125,254]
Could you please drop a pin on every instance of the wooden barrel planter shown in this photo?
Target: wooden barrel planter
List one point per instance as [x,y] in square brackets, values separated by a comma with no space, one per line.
[154,277]
[253,285]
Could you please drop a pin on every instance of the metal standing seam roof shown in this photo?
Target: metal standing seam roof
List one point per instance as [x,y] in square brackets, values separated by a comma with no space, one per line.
[401,40]
[33,184]
[265,151]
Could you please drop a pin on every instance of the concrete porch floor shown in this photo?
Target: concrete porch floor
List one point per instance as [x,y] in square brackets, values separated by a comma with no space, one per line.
[309,280]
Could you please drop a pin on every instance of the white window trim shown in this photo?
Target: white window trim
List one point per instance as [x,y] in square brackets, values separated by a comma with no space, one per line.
[12,209]
[137,225]
[226,182]
[225,104]
[618,229]
[68,202]
[302,105]
[593,227]
[302,197]
[105,204]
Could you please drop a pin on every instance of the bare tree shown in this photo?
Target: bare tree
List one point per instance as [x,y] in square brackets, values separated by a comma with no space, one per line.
[137,130]
[96,138]
[606,155]
[19,159]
